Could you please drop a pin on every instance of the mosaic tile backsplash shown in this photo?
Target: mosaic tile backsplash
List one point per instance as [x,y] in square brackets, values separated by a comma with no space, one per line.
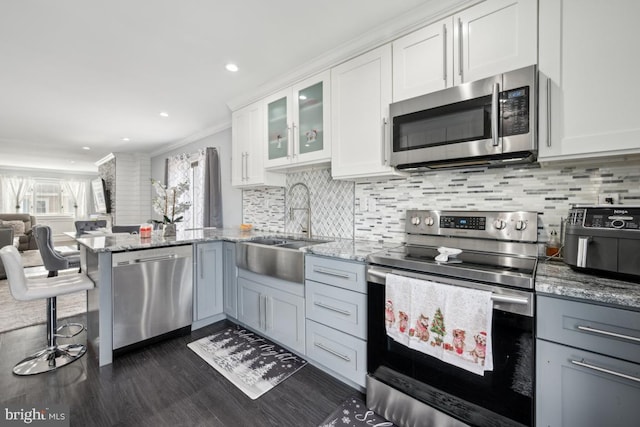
[332,206]
[375,209]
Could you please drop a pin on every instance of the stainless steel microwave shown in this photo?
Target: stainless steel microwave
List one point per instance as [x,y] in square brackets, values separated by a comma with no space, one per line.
[479,123]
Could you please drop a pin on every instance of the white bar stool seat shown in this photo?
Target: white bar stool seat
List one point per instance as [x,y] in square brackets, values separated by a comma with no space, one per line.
[24,289]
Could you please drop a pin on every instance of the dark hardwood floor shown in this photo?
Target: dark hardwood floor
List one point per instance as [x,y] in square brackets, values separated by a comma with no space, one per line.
[164,384]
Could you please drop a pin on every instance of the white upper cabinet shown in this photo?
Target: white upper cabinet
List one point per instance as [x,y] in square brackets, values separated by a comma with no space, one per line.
[587,110]
[484,40]
[360,95]
[423,61]
[493,37]
[247,160]
[298,124]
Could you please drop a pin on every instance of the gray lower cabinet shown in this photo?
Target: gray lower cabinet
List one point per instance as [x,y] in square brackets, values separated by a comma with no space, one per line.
[587,365]
[208,279]
[230,278]
[272,307]
[336,308]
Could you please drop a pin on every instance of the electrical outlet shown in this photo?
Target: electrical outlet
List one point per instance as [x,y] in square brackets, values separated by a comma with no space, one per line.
[363,205]
[608,198]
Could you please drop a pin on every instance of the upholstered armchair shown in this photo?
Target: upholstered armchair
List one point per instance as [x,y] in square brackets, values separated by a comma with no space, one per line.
[21,224]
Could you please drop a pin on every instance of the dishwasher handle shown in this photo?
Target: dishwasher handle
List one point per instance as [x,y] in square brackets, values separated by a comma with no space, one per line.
[150,259]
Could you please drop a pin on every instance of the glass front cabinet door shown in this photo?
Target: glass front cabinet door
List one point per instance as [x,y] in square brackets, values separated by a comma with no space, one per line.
[298,124]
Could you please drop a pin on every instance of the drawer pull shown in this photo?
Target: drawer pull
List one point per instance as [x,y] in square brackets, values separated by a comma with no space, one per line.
[611,334]
[606,371]
[330,273]
[328,307]
[335,353]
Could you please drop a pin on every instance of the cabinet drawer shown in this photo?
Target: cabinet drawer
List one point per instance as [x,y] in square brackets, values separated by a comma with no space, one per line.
[611,331]
[342,353]
[336,307]
[579,388]
[348,275]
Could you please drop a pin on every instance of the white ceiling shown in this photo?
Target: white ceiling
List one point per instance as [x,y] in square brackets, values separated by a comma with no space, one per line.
[77,73]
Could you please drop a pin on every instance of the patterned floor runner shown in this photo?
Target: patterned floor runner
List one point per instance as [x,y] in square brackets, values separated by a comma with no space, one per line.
[252,363]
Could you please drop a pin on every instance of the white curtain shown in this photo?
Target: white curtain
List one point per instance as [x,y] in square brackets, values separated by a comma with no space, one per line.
[14,189]
[189,167]
[77,190]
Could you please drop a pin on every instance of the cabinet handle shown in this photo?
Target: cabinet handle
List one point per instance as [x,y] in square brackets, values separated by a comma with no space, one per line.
[495,112]
[201,263]
[335,353]
[262,312]
[267,313]
[608,333]
[605,370]
[460,48]
[294,136]
[548,112]
[289,141]
[245,166]
[328,307]
[321,270]
[444,53]
[385,123]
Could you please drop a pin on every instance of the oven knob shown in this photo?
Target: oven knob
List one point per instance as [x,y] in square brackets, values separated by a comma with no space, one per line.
[428,221]
[415,220]
[521,225]
[617,223]
[499,224]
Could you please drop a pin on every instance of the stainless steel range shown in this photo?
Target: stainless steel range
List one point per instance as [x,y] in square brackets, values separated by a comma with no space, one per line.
[494,252]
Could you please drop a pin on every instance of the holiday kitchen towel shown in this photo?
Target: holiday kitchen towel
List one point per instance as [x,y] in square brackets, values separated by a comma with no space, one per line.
[451,323]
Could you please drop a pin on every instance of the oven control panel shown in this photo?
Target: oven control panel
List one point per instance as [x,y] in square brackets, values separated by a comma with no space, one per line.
[499,225]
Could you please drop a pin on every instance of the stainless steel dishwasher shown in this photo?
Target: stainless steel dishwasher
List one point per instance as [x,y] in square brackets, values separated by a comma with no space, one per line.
[152,293]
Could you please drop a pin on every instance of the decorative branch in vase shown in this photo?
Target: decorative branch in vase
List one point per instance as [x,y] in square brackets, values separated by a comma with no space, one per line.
[167,203]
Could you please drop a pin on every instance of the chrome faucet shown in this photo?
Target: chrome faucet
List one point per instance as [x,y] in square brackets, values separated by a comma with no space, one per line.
[308,208]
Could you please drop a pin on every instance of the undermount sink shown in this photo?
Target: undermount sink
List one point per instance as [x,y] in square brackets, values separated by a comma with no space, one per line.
[275,257]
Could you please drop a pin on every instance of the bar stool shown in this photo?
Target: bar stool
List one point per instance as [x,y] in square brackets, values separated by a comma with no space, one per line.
[24,289]
[52,259]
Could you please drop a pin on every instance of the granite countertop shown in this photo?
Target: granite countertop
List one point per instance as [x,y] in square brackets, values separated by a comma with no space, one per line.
[552,277]
[120,242]
[354,250]
[556,278]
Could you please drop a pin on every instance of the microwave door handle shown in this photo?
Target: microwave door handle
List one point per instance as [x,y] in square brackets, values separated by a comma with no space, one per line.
[495,111]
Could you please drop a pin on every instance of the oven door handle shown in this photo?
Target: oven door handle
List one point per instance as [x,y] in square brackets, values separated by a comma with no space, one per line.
[381,274]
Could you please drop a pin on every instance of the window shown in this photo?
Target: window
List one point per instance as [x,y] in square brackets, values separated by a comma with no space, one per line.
[47,196]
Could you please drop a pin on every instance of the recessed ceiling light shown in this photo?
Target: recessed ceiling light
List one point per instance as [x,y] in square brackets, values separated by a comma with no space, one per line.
[125,139]
[164,114]
[86,148]
[231,67]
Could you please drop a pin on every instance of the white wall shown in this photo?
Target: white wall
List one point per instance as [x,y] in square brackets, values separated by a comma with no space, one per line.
[231,197]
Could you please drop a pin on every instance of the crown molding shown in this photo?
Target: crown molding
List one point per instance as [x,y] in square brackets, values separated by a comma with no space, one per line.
[431,11]
[105,159]
[212,130]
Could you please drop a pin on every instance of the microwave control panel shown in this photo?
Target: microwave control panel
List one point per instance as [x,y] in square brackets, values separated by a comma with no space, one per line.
[616,217]
[514,111]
